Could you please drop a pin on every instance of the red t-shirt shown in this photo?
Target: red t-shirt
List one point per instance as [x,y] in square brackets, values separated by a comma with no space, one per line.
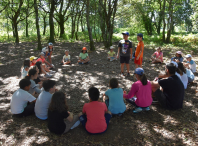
[42,60]
[95,112]
[32,64]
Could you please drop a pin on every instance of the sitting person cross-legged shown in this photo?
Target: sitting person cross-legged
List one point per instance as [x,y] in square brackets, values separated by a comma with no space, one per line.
[169,91]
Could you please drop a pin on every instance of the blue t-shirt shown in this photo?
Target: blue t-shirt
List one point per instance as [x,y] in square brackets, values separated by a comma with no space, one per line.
[42,105]
[116,101]
[179,58]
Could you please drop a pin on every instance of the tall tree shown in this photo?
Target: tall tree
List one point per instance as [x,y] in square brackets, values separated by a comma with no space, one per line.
[37,25]
[88,26]
[51,21]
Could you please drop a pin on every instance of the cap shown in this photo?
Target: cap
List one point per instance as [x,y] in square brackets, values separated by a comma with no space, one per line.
[42,54]
[84,48]
[125,33]
[66,50]
[139,71]
[140,35]
[188,56]
[175,63]
[111,47]
[32,58]
[50,44]
[179,52]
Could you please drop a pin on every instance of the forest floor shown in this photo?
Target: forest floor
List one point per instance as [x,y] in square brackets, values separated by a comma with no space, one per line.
[155,127]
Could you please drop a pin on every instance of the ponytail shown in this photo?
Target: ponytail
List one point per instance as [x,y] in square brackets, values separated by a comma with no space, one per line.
[31,72]
[143,79]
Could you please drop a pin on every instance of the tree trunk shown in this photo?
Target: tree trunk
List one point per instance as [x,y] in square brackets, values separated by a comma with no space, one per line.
[13,31]
[44,25]
[89,29]
[160,18]
[26,19]
[82,23]
[8,28]
[164,22]
[51,21]
[37,25]
[62,28]
[16,32]
[170,22]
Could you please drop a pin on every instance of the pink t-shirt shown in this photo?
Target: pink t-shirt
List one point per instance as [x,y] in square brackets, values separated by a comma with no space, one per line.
[42,60]
[142,93]
[157,54]
[95,112]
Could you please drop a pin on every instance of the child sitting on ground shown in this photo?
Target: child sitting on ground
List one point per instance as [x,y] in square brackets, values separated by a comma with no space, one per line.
[184,77]
[158,56]
[83,57]
[42,70]
[95,117]
[115,102]
[33,74]
[178,57]
[60,120]
[44,99]
[142,90]
[66,58]
[190,63]
[20,98]
[44,62]
[33,60]
[190,76]
[111,54]
[25,68]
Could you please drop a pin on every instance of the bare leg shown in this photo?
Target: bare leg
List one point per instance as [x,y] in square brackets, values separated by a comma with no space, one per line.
[122,67]
[49,57]
[128,67]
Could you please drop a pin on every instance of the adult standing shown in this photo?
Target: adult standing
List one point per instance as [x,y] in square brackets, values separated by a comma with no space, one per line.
[125,52]
[48,52]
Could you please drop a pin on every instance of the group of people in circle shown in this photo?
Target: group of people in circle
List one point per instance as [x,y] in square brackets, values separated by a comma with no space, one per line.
[38,94]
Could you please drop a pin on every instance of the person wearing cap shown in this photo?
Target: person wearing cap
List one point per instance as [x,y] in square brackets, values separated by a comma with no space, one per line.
[48,52]
[83,57]
[45,63]
[142,90]
[190,63]
[33,60]
[111,54]
[178,57]
[66,58]
[139,51]
[125,52]
[158,56]
[169,91]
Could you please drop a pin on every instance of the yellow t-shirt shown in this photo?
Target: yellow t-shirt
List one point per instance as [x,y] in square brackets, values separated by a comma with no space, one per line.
[111,54]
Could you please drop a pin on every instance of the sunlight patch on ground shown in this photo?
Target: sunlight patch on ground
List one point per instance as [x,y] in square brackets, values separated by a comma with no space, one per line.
[165,133]
[28,140]
[42,139]
[4,106]
[10,140]
[143,129]
[188,103]
[169,119]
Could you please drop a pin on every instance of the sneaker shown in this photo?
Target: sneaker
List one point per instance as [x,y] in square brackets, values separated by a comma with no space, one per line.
[52,65]
[48,75]
[79,62]
[111,59]
[128,74]
[146,109]
[122,74]
[137,110]
[52,72]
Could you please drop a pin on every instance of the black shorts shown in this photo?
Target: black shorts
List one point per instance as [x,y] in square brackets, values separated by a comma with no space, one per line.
[160,97]
[124,59]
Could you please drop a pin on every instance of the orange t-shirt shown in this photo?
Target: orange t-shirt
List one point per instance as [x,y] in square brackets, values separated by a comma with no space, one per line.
[137,51]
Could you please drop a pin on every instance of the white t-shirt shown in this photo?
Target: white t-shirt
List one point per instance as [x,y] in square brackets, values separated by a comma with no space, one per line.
[192,65]
[184,80]
[23,73]
[44,49]
[66,58]
[179,76]
[42,105]
[19,101]
[190,74]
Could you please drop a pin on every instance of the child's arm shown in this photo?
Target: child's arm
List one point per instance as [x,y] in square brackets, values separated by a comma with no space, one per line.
[104,97]
[48,63]
[131,53]
[118,52]
[71,117]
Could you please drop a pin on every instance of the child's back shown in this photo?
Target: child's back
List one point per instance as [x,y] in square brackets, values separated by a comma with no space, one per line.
[95,112]
[116,102]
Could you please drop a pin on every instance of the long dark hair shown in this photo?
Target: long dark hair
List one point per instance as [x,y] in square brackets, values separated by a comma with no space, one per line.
[31,72]
[26,62]
[143,79]
[181,67]
[58,102]
[38,64]
[160,49]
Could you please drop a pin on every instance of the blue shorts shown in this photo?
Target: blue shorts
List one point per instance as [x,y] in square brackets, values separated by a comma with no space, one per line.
[48,54]
[83,120]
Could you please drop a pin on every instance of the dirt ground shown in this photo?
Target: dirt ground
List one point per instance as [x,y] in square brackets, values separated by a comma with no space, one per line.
[155,127]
